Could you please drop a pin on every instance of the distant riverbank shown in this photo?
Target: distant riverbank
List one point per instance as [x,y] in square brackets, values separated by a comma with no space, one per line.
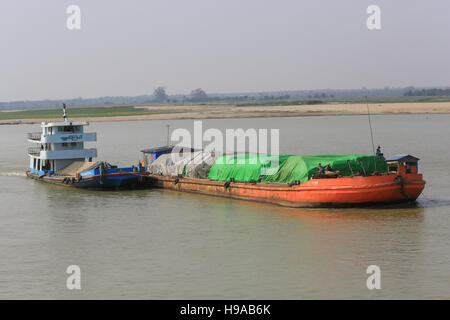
[172,112]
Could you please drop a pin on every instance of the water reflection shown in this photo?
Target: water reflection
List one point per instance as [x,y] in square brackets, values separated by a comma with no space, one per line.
[168,245]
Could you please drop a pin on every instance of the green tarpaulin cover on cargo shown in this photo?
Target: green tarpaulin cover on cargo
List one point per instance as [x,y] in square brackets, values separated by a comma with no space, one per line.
[302,168]
[245,167]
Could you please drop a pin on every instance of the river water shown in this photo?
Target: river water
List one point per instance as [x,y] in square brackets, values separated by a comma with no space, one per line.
[157,244]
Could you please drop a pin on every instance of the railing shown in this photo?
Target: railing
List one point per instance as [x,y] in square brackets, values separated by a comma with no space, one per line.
[34,136]
[68,154]
[34,151]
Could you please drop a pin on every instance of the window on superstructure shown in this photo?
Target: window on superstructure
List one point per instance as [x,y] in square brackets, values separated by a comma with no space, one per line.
[69,129]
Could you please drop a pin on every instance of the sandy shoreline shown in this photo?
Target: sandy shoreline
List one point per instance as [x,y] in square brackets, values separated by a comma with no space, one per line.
[230,111]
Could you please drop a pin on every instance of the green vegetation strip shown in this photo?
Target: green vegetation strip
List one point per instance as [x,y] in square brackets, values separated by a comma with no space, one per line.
[83,113]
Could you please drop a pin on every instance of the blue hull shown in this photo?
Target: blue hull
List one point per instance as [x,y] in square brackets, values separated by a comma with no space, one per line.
[109,182]
[116,181]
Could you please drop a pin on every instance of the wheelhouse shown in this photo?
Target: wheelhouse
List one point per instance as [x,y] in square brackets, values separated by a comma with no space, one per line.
[58,145]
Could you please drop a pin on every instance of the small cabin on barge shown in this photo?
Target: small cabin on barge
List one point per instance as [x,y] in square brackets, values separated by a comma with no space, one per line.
[151,154]
[403,163]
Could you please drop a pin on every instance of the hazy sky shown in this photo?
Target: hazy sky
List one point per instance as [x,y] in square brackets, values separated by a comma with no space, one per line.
[129,47]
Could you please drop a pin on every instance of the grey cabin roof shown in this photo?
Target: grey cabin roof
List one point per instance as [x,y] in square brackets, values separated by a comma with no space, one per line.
[158,149]
[166,149]
[403,157]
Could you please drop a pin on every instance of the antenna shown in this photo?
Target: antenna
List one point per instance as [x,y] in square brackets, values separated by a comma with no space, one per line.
[371,134]
[370,126]
[64,112]
[168,134]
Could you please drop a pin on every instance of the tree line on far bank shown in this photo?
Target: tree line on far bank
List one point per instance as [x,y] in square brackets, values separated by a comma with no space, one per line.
[282,97]
[199,95]
[428,93]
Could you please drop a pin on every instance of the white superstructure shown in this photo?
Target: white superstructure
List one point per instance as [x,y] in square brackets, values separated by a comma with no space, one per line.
[58,145]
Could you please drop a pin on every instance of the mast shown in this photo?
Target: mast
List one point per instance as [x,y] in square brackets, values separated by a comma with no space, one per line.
[371,134]
[168,134]
[64,112]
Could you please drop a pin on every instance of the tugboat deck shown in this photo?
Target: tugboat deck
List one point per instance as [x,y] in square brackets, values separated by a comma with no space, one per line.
[77,167]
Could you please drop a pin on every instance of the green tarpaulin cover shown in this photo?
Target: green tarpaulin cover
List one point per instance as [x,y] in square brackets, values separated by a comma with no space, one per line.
[245,167]
[302,168]
[248,166]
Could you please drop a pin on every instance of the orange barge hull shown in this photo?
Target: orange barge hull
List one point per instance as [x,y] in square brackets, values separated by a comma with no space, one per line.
[340,192]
